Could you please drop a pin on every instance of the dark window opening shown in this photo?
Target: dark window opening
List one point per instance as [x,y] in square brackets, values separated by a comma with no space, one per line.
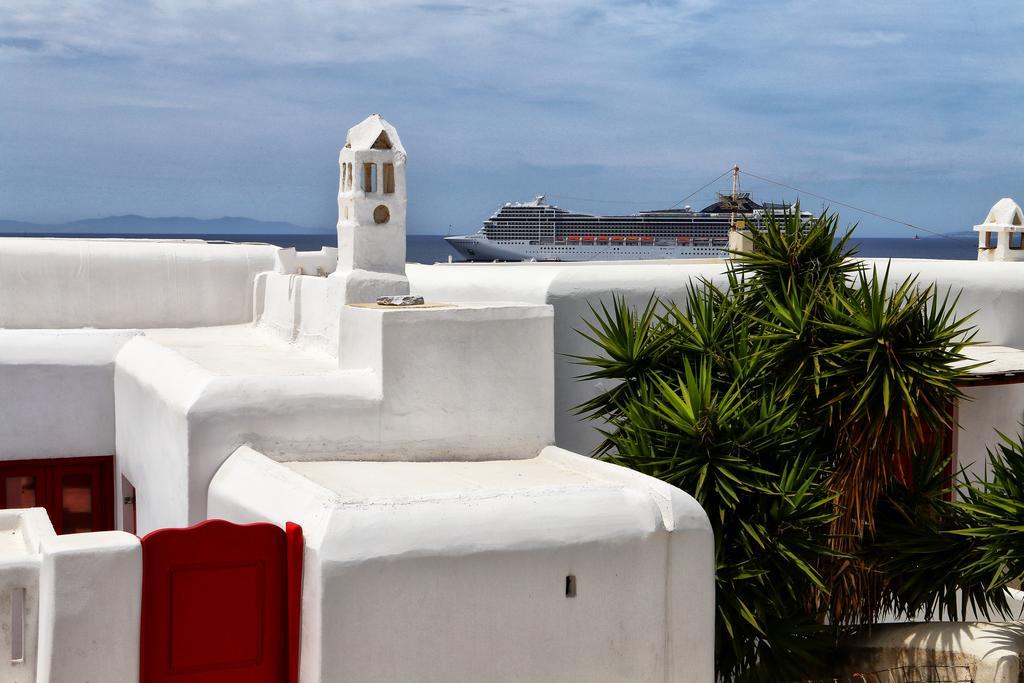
[128,520]
[369,177]
[78,493]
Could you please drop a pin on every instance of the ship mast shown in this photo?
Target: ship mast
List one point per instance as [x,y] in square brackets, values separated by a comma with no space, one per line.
[735,194]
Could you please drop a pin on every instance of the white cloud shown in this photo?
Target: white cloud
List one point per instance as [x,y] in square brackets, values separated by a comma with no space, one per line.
[661,94]
[862,39]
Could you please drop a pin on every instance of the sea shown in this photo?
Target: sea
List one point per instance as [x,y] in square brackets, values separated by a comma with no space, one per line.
[433,248]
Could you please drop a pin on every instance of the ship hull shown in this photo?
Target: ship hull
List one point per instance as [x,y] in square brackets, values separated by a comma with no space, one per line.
[481,248]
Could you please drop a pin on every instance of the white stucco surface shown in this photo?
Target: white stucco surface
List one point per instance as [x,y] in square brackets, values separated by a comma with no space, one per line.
[60,389]
[320,263]
[986,412]
[570,289]
[408,384]
[90,608]
[990,652]
[395,549]
[21,534]
[304,310]
[118,284]
[993,290]
[993,362]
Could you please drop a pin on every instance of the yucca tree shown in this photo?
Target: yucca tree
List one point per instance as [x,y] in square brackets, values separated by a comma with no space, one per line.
[802,405]
[696,408]
[888,376]
[934,554]
[995,511]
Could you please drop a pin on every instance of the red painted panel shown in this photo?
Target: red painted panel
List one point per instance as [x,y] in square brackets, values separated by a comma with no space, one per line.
[215,604]
[208,601]
[296,547]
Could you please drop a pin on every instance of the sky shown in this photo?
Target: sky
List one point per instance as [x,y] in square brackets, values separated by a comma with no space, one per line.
[177,107]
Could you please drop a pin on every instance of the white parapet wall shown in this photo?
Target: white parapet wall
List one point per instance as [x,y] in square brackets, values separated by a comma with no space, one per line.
[22,532]
[553,568]
[441,382]
[59,386]
[319,263]
[301,309]
[123,284]
[90,607]
[570,289]
[994,292]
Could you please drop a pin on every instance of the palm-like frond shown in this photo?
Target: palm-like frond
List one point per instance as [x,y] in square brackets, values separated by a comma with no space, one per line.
[802,406]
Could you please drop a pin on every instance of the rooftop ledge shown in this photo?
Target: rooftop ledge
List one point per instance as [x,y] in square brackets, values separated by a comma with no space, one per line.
[999,365]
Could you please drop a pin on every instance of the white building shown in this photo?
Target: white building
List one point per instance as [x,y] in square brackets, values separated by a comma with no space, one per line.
[152,385]
[450,530]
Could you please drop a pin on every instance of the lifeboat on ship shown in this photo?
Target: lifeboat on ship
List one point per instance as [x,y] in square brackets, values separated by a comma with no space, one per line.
[646,240]
[588,238]
[618,239]
[573,238]
[682,240]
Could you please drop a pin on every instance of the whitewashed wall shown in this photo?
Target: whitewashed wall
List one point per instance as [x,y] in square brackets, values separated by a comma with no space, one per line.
[59,392]
[986,411]
[429,583]
[22,532]
[470,382]
[90,607]
[570,289]
[994,290]
[122,284]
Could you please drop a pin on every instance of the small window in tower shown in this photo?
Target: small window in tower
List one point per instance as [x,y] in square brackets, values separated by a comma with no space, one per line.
[382,142]
[381,215]
[369,177]
[349,176]
[1017,240]
[991,239]
[389,178]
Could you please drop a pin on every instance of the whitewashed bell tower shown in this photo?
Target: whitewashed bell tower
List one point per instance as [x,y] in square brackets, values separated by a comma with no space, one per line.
[371,212]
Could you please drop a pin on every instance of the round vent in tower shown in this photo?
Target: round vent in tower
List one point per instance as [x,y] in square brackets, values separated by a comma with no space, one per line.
[381,215]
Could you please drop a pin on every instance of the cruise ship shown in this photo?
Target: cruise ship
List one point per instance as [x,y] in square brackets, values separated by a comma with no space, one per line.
[539,231]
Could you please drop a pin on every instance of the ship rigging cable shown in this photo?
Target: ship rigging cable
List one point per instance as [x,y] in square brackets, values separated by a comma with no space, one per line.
[851,206]
[869,212]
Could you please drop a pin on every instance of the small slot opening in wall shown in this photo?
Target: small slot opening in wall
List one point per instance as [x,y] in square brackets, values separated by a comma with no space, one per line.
[369,177]
[127,505]
[17,625]
[570,586]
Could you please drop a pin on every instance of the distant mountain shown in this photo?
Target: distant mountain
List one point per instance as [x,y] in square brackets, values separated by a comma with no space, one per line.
[170,225]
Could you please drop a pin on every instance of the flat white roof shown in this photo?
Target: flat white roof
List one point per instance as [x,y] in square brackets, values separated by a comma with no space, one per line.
[1003,363]
[366,481]
[242,350]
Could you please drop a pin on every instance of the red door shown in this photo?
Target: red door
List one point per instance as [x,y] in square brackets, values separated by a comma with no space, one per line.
[76,492]
[220,604]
